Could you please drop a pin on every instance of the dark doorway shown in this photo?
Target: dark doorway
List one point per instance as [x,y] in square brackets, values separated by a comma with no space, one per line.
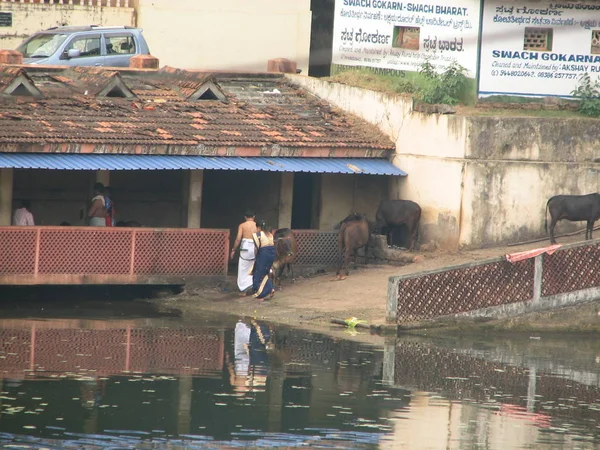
[303,202]
[321,38]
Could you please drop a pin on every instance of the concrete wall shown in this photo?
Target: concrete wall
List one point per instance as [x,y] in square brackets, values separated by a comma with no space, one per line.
[31,17]
[342,195]
[514,165]
[434,170]
[480,181]
[226,35]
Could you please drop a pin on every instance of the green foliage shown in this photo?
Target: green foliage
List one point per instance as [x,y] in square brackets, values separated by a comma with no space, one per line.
[442,88]
[588,93]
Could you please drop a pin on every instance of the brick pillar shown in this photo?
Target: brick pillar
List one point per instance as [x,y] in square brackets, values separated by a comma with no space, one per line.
[11,57]
[281,65]
[143,62]
[195,199]
[286,195]
[6,196]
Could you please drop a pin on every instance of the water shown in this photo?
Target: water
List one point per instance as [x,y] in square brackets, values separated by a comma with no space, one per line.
[154,383]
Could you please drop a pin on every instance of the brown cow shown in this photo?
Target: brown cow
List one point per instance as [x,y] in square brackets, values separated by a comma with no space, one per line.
[286,250]
[354,234]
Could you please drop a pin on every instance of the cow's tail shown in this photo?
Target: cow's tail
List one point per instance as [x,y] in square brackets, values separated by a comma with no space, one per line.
[546,215]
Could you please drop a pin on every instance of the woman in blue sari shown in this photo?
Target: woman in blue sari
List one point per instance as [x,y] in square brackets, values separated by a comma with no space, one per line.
[265,256]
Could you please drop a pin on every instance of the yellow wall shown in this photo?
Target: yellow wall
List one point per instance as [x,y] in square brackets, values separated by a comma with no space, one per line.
[31,17]
[342,195]
[238,35]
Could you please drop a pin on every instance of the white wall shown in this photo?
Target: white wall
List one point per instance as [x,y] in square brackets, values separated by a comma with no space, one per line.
[229,35]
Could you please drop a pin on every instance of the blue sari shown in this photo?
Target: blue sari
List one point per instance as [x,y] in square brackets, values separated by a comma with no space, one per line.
[261,280]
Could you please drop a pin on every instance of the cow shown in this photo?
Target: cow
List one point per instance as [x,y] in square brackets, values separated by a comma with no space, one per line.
[286,250]
[574,208]
[354,234]
[391,214]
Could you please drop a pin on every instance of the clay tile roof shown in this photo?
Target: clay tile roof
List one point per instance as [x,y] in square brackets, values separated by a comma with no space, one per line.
[259,110]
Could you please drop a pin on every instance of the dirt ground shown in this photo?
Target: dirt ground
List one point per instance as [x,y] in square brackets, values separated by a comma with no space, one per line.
[315,301]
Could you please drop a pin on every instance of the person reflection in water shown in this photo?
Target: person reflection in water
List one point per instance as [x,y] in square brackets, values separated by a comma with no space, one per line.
[250,368]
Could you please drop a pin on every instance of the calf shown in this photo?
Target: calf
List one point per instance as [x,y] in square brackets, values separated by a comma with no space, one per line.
[286,250]
[575,208]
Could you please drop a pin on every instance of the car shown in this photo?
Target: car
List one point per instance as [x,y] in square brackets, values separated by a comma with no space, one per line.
[91,45]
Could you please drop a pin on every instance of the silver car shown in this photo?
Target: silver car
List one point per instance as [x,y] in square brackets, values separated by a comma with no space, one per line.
[84,46]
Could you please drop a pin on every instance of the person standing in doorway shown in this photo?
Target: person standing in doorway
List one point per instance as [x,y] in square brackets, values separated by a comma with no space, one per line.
[109,206]
[23,216]
[247,249]
[97,212]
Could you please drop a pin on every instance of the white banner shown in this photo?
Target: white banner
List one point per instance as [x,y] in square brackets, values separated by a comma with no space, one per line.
[401,36]
[538,48]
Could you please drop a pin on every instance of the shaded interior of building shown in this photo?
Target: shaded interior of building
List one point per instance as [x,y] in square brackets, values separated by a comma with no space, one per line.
[161,198]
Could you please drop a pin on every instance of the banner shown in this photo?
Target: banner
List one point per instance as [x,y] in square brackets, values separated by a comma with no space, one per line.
[402,36]
[538,49]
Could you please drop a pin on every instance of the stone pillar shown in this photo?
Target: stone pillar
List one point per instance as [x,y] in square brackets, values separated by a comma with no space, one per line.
[11,57]
[144,62]
[6,196]
[194,209]
[103,176]
[281,65]
[286,196]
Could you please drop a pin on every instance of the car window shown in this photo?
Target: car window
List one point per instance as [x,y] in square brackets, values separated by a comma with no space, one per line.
[121,44]
[42,45]
[87,45]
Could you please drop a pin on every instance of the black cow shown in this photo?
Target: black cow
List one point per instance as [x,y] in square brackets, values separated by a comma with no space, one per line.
[576,208]
[391,214]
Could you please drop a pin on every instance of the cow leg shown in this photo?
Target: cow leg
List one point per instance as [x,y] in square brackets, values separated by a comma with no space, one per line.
[291,268]
[355,256]
[412,241]
[551,230]
[341,253]
[367,253]
[589,229]
[347,261]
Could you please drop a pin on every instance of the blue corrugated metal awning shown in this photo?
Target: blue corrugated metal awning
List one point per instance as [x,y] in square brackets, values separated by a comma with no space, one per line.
[56,161]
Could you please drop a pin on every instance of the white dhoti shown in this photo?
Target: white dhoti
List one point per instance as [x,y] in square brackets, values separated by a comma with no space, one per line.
[244,279]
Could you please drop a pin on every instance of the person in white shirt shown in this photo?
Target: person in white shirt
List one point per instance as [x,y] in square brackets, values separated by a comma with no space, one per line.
[22,216]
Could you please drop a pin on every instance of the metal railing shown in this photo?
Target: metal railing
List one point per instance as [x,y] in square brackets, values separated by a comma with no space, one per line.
[496,288]
[96,255]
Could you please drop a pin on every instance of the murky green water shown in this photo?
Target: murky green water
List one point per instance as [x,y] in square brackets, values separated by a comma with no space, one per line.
[166,383]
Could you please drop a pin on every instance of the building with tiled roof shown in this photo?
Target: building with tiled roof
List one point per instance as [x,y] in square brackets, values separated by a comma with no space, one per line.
[183,149]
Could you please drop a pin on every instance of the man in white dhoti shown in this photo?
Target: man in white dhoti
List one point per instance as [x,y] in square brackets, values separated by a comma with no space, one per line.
[247,252]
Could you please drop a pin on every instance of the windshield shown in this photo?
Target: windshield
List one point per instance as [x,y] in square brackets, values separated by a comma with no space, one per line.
[41,45]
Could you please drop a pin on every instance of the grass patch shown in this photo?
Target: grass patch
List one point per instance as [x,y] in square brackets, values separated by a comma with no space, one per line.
[395,81]
[367,79]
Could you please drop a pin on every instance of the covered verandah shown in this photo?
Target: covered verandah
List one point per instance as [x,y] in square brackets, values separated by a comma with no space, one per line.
[189,207]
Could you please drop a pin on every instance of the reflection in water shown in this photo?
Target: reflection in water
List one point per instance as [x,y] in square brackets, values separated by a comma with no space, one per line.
[102,384]
[513,394]
[148,384]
